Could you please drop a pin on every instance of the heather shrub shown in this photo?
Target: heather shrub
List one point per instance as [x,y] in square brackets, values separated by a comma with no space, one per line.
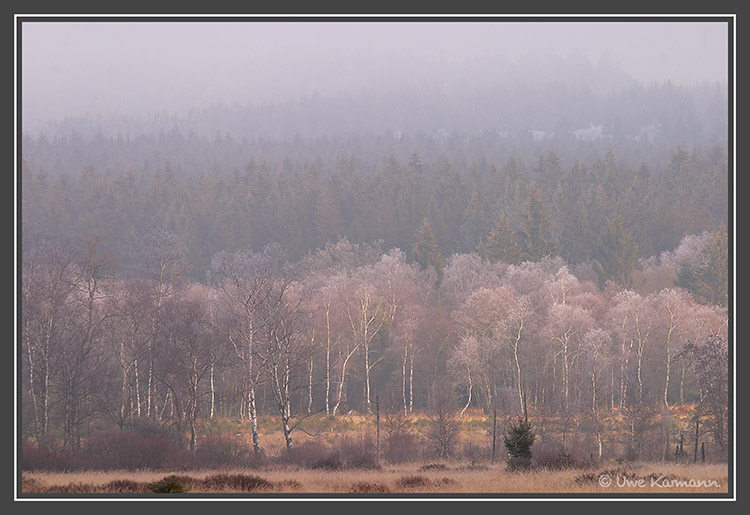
[412,482]
[124,486]
[72,488]
[363,487]
[171,485]
[445,482]
[30,484]
[241,482]
[433,466]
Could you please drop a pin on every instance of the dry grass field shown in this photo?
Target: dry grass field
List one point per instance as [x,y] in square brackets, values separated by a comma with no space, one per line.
[447,478]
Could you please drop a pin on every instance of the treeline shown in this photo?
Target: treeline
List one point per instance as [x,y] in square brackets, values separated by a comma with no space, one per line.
[265,334]
[581,212]
[554,107]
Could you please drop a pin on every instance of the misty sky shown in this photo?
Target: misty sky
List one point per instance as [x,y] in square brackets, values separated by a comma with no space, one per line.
[88,68]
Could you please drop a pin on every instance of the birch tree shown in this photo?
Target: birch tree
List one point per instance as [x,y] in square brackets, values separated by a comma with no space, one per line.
[245,282]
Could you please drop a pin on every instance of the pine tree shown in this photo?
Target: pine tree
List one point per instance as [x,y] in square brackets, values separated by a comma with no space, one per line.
[426,250]
[536,228]
[518,441]
[618,253]
[709,282]
[501,244]
[473,222]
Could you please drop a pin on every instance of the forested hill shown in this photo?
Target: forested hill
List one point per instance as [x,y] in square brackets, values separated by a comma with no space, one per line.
[541,204]
[553,162]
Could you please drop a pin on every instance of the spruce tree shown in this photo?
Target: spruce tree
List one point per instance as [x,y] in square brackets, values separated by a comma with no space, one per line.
[618,253]
[536,228]
[709,282]
[518,441]
[473,223]
[501,244]
[426,250]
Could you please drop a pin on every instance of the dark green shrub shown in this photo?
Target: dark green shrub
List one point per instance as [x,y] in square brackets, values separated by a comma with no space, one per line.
[171,485]
[518,441]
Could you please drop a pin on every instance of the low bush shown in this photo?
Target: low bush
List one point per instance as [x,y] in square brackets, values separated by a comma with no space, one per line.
[72,488]
[363,487]
[445,482]
[412,482]
[241,482]
[433,466]
[124,486]
[171,485]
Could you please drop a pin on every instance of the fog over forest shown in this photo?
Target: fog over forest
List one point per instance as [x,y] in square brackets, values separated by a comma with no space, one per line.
[176,68]
[523,216]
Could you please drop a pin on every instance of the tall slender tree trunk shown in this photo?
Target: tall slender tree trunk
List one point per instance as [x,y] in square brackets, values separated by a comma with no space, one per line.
[342,380]
[682,383]
[192,420]
[45,379]
[253,410]
[403,380]
[123,397]
[518,380]
[623,382]
[566,390]
[254,419]
[310,387]
[150,400]
[287,432]
[488,389]
[149,385]
[595,409]
[137,388]
[666,381]
[212,386]
[168,396]
[328,362]
[639,361]
[468,402]
[32,388]
[367,375]
[411,380]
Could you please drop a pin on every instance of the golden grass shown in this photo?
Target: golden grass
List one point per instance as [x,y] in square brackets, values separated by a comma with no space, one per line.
[475,425]
[456,479]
